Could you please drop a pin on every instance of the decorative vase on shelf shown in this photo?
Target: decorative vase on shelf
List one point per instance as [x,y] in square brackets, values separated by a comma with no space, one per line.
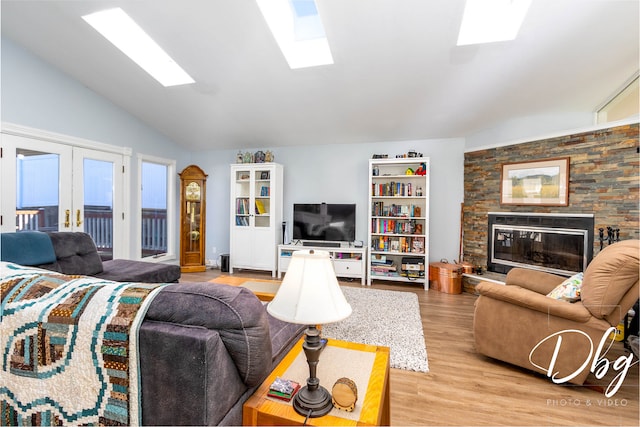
[269,157]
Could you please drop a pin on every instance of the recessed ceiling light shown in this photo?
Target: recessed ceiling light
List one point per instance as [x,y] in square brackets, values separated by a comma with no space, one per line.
[487,21]
[298,30]
[117,27]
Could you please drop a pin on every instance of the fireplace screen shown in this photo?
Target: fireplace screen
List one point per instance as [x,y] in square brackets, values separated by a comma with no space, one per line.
[556,250]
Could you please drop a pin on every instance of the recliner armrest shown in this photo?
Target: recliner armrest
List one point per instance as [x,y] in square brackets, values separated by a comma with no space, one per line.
[534,301]
[534,280]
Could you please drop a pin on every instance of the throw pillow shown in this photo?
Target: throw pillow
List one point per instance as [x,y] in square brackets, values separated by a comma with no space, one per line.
[569,290]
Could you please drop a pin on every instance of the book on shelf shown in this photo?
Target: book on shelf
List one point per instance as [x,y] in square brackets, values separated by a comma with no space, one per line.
[378,259]
[395,210]
[382,263]
[383,267]
[260,207]
[242,221]
[392,189]
[398,244]
[417,245]
[242,206]
[394,226]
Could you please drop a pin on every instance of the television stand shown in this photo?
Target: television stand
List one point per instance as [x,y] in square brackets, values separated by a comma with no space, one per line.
[321,244]
[347,262]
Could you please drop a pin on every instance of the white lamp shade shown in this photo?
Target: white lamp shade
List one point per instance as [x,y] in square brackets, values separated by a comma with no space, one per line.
[310,293]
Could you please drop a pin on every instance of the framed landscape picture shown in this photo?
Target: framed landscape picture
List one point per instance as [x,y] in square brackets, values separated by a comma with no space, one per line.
[540,182]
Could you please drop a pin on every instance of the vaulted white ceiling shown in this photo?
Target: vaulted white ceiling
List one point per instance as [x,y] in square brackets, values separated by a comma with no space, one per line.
[398,73]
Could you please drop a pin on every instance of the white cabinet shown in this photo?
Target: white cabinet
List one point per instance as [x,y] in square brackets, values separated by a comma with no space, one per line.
[348,262]
[256,216]
[398,235]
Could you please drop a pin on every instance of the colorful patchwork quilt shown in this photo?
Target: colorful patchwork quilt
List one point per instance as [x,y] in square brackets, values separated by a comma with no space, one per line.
[69,348]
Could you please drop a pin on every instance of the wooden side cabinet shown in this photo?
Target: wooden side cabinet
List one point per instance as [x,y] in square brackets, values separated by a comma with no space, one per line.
[193,184]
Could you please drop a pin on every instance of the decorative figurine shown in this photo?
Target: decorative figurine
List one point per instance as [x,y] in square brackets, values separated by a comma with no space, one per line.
[269,157]
[422,170]
[601,230]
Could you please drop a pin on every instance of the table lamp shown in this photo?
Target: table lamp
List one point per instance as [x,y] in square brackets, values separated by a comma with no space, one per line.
[310,295]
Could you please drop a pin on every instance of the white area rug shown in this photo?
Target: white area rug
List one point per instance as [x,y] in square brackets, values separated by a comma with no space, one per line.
[387,318]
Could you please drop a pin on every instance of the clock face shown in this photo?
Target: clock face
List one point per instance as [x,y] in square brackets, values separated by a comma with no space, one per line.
[192,192]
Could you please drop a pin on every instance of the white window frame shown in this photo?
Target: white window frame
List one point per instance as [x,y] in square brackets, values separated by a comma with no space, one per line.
[170,255]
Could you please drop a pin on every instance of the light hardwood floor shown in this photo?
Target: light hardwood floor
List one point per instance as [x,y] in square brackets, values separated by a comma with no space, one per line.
[463,388]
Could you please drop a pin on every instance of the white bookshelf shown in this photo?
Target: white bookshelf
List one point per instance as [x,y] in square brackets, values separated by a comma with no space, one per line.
[256,216]
[398,226]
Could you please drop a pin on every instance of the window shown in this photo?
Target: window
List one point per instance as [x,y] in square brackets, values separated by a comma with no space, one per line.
[298,30]
[157,212]
[625,104]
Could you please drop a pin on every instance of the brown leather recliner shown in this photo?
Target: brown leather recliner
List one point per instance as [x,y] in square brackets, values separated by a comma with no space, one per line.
[517,323]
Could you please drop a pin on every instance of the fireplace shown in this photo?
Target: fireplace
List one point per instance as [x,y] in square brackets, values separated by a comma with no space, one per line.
[555,243]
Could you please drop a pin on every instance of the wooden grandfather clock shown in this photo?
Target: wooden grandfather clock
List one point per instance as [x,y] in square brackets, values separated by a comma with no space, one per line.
[193,182]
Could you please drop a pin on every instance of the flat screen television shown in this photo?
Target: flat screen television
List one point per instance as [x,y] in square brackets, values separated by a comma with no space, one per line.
[324,221]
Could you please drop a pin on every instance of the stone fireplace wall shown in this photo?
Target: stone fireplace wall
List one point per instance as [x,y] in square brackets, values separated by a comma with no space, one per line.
[603,179]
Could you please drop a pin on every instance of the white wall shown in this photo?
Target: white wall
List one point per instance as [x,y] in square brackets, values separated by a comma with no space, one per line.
[521,128]
[339,174]
[37,95]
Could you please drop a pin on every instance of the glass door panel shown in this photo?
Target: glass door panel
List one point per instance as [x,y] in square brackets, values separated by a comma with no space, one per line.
[96,203]
[37,189]
[37,192]
[262,193]
[243,198]
[154,226]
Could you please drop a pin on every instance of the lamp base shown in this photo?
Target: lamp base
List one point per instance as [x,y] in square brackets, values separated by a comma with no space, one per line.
[312,403]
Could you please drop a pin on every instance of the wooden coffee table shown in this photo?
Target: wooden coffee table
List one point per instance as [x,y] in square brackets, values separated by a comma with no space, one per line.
[265,291]
[372,407]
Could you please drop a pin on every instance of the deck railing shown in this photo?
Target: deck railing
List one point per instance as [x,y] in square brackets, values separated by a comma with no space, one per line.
[98,223]
[154,231]
[28,219]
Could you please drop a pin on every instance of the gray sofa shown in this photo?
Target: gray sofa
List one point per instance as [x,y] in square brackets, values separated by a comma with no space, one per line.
[76,253]
[204,349]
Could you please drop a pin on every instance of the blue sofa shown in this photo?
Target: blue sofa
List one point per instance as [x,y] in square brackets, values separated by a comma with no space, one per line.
[76,253]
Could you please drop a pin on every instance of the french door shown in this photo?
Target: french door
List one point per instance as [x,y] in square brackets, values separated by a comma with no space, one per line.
[49,186]
[97,207]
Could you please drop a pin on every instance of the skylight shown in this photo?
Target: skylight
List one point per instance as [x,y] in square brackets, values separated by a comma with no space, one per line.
[298,30]
[117,27]
[487,21]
